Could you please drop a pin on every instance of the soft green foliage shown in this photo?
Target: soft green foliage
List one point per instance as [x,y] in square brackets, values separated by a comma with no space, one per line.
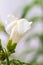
[28,7]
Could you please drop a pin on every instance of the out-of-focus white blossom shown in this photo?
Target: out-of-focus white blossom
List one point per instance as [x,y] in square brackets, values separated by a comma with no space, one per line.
[17,28]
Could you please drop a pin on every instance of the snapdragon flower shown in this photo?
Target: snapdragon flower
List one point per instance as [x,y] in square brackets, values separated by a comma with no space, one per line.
[17,28]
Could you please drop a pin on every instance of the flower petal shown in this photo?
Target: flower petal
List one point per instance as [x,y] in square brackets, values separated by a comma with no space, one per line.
[23,26]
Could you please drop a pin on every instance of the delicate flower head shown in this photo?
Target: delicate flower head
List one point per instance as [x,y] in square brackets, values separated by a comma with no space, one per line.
[17,28]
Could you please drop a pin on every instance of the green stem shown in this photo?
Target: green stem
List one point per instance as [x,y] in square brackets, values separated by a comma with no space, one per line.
[8,63]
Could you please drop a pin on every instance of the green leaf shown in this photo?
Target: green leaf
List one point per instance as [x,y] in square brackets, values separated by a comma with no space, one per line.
[28,7]
[37,1]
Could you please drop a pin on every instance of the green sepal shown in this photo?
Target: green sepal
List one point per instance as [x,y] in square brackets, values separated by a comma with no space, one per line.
[11,46]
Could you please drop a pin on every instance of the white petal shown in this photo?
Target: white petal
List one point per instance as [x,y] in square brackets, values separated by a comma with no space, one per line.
[15,36]
[23,26]
[10,26]
[10,19]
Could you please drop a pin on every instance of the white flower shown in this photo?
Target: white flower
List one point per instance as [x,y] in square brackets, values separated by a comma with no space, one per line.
[17,28]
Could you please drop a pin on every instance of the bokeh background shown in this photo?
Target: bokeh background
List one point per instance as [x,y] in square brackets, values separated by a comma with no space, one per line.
[30,47]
